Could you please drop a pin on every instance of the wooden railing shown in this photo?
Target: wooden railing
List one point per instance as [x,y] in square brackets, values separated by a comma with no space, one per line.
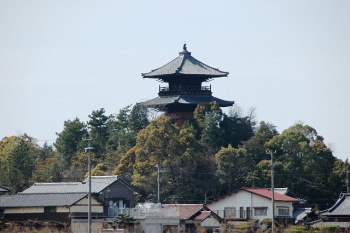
[184,89]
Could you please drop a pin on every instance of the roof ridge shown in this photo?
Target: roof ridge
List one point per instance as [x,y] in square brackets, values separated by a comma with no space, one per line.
[182,55]
[216,69]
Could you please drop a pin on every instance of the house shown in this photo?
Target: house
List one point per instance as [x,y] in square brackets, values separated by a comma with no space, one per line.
[3,190]
[193,215]
[254,204]
[62,210]
[66,203]
[337,215]
[112,190]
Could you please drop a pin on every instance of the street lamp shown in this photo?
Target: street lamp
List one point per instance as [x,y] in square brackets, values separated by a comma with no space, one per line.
[158,196]
[89,148]
[270,152]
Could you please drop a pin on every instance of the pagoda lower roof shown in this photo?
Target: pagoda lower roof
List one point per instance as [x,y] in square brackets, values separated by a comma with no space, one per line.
[185,65]
[162,101]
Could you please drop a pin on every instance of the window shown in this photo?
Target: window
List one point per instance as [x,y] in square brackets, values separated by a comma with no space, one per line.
[283,210]
[260,211]
[49,209]
[248,213]
[230,212]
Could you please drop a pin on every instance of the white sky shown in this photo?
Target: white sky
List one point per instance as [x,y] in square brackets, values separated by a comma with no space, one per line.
[63,59]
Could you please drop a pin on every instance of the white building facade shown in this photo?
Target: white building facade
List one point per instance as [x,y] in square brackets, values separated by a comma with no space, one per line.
[253,204]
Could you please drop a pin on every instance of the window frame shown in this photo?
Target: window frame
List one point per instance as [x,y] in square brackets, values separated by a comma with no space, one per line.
[263,209]
[284,209]
[230,212]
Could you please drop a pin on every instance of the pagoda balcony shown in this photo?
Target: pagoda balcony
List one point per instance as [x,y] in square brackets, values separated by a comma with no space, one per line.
[184,89]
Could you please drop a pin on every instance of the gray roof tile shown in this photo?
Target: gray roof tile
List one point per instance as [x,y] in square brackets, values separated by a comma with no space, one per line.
[341,207]
[161,101]
[98,184]
[185,64]
[44,199]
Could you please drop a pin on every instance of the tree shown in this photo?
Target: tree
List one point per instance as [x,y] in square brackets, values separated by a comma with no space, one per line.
[235,130]
[232,167]
[255,146]
[21,163]
[208,117]
[175,150]
[48,165]
[307,163]
[70,140]
[124,221]
[123,129]
[138,118]
[98,132]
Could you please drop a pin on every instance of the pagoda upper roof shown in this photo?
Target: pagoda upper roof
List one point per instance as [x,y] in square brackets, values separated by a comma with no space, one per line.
[185,65]
[162,101]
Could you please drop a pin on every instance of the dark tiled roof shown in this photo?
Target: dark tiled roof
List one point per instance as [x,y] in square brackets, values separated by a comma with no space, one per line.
[98,184]
[268,194]
[38,200]
[162,101]
[4,189]
[320,223]
[203,215]
[185,64]
[4,197]
[341,207]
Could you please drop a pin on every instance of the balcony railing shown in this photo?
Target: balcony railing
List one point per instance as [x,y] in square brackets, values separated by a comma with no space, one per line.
[184,89]
[144,212]
[234,214]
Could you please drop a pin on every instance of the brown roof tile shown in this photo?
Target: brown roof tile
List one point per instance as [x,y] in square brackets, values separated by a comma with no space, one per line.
[268,194]
[187,211]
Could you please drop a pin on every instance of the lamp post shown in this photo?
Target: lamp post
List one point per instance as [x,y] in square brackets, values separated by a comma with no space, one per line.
[158,195]
[89,148]
[272,189]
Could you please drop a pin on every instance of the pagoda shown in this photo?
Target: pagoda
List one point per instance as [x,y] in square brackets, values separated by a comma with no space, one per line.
[184,91]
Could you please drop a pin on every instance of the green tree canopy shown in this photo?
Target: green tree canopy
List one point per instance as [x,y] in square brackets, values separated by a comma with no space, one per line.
[70,140]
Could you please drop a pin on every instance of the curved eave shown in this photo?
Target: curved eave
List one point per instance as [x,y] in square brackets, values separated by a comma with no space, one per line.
[185,65]
[179,75]
[163,101]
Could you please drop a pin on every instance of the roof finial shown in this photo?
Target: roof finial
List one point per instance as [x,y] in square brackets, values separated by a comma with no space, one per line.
[185,47]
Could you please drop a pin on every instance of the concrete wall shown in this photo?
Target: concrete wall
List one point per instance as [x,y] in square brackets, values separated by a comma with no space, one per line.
[79,226]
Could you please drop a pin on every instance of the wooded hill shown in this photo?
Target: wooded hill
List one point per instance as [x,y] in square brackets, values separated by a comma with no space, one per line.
[209,156]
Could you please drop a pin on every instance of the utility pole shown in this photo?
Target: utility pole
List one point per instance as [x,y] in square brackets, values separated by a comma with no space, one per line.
[347,182]
[270,152]
[88,149]
[158,183]
[206,198]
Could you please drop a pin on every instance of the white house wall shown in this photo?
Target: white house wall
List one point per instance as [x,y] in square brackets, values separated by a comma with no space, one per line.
[246,199]
[210,222]
[62,209]
[24,210]
[82,206]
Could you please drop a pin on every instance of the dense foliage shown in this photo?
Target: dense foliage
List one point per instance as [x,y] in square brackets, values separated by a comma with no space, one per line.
[207,157]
